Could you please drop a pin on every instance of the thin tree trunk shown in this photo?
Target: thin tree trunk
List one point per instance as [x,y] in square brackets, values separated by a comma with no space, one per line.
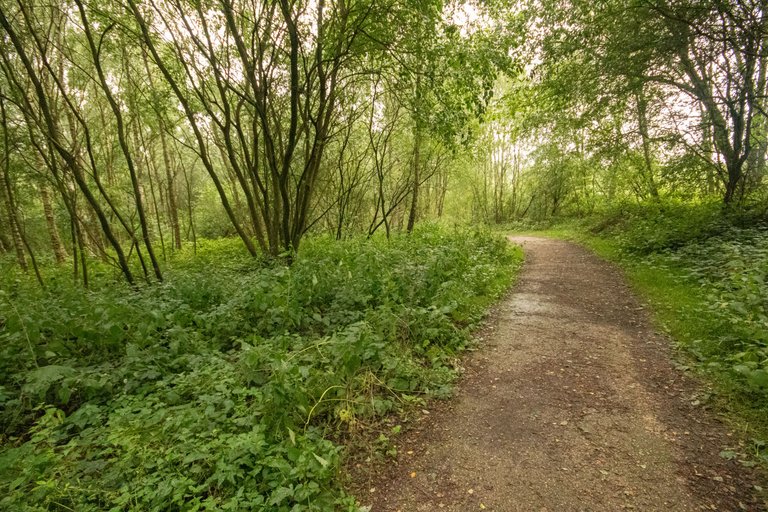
[69,159]
[78,245]
[190,212]
[32,259]
[150,166]
[190,115]
[170,192]
[50,220]
[6,197]
[122,139]
[73,236]
[413,214]
[6,194]
[642,124]
[173,209]
[6,242]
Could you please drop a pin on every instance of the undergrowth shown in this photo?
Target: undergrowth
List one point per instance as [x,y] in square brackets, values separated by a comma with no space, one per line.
[226,387]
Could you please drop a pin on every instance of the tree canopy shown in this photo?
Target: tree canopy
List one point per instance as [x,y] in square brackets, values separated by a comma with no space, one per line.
[141,122]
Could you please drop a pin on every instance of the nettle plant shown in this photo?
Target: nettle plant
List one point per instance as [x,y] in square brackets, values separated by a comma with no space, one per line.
[232,385]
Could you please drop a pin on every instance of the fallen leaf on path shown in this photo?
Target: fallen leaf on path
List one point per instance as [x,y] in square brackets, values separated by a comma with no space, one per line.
[728,454]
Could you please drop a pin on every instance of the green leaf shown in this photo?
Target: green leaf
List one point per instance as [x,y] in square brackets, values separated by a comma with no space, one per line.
[758,378]
[292,436]
[321,460]
[280,495]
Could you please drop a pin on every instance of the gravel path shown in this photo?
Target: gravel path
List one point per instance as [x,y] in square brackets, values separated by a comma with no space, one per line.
[571,404]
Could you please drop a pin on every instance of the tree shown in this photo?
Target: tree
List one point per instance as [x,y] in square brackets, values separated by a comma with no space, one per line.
[293,116]
[38,108]
[713,53]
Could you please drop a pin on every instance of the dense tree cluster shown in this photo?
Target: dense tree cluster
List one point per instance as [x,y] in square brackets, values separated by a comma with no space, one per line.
[129,129]
[630,100]
[133,127]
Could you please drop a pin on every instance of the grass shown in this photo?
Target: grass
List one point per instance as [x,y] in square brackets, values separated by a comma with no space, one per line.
[680,308]
[704,275]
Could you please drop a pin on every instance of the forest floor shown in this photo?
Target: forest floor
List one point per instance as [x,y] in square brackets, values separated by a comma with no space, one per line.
[572,403]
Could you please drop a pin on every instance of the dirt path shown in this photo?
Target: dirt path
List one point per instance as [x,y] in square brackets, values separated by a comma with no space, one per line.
[572,404]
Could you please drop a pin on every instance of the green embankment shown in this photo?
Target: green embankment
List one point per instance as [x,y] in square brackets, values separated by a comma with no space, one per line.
[229,386]
[705,274]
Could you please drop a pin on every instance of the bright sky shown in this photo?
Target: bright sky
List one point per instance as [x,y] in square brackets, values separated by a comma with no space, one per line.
[468,16]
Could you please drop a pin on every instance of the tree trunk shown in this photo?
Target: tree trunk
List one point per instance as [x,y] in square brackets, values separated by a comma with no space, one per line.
[53,133]
[170,189]
[123,141]
[413,214]
[173,209]
[190,115]
[732,182]
[417,129]
[6,243]
[50,220]
[6,197]
[6,194]
[642,124]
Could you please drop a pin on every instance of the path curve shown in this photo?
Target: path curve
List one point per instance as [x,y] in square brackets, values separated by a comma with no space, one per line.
[572,404]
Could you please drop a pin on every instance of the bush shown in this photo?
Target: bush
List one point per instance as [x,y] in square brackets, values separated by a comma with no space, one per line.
[227,386]
[651,227]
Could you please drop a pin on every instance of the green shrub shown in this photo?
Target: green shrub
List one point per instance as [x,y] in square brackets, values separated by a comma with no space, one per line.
[225,387]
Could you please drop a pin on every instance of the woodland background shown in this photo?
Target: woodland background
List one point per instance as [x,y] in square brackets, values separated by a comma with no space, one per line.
[236,234]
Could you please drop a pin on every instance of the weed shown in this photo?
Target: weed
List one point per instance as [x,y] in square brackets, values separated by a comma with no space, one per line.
[222,388]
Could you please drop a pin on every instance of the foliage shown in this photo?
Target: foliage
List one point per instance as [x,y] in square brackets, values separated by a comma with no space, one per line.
[228,386]
[133,129]
[647,228]
[665,107]
[732,269]
[705,270]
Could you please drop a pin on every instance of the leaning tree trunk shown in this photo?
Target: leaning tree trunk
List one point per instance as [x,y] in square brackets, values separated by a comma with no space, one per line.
[48,119]
[123,141]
